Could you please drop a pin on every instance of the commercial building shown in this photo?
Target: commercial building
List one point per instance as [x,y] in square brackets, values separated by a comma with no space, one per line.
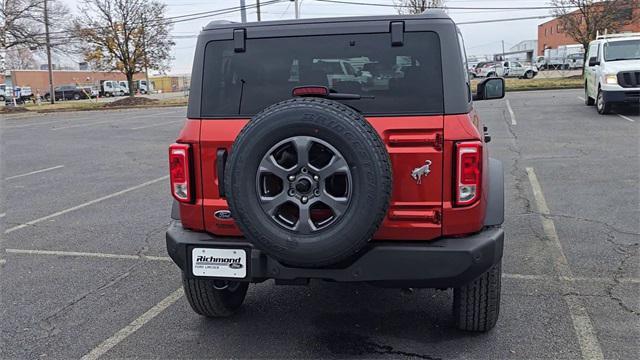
[38,80]
[551,34]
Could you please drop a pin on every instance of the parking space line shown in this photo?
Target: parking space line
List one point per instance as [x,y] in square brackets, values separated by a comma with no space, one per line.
[2,215]
[87,254]
[154,125]
[531,277]
[626,118]
[34,172]
[511,113]
[117,120]
[581,98]
[587,339]
[62,212]
[133,326]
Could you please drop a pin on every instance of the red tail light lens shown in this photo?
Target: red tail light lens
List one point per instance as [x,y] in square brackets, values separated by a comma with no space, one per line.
[179,170]
[469,172]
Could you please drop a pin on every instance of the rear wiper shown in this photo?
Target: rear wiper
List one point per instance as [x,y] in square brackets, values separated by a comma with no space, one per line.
[325,92]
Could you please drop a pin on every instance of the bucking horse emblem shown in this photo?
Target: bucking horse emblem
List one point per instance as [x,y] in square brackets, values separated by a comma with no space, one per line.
[421,171]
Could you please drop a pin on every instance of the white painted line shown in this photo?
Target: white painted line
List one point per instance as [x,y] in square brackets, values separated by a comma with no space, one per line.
[3,261]
[581,98]
[134,326]
[572,279]
[3,215]
[87,254]
[35,124]
[154,125]
[513,116]
[589,345]
[626,118]
[34,172]
[125,118]
[121,192]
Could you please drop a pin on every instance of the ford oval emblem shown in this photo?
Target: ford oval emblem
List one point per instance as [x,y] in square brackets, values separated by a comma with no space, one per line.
[222,214]
[235,266]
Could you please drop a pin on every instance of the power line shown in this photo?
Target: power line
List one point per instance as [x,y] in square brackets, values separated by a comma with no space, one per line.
[503,20]
[347,2]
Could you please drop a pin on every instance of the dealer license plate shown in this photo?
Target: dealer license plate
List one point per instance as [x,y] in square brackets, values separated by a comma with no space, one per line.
[229,263]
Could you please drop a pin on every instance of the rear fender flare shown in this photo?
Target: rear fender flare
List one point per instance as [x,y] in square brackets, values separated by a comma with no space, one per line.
[495,201]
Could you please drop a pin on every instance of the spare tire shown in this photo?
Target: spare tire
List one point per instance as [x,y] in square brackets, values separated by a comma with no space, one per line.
[308,181]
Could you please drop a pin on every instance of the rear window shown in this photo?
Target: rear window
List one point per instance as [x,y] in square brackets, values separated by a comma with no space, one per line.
[401,79]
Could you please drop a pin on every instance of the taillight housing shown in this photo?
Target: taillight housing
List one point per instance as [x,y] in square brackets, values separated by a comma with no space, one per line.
[180,172]
[468,172]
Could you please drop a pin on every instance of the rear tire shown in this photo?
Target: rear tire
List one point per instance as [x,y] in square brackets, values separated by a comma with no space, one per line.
[528,74]
[476,305]
[208,299]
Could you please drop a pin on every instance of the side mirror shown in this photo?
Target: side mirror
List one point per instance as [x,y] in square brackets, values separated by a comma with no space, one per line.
[490,89]
[593,61]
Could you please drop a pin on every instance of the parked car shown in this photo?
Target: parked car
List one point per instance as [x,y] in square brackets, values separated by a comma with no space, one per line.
[302,177]
[20,94]
[507,69]
[124,85]
[574,61]
[110,88]
[612,74]
[67,92]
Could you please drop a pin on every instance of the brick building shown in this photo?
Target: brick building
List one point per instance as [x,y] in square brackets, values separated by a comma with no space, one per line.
[39,79]
[551,35]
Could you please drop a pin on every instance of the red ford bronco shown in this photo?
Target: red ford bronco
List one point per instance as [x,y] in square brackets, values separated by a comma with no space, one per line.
[343,150]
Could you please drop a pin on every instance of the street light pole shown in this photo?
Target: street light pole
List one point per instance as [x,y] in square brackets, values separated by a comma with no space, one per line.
[297,7]
[52,94]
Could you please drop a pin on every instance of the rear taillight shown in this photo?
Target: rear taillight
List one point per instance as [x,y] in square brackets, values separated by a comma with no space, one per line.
[180,174]
[469,172]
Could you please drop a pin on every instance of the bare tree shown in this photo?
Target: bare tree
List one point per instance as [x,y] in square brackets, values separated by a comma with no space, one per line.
[124,35]
[417,6]
[20,59]
[22,22]
[583,19]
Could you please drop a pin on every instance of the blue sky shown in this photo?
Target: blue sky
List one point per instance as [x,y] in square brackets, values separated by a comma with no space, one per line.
[479,38]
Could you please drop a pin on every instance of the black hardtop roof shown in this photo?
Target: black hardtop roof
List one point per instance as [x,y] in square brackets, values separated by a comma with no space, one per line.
[427,15]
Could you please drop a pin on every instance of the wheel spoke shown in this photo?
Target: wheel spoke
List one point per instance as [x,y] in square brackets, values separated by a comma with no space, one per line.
[270,165]
[337,164]
[270,204]
[304,224]
[302,145]
[337,204]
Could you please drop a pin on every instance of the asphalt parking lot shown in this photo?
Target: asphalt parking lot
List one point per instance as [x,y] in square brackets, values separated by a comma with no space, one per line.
[84,270]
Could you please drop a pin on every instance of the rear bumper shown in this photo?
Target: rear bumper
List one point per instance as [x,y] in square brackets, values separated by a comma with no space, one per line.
[444,263]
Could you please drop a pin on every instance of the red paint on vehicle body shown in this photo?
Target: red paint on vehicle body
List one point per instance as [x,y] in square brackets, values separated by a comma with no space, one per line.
[417,211]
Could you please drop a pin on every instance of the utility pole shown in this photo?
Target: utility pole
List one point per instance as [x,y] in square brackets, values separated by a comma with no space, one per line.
[52,94]
[258,9]
[243,11]
[297,7]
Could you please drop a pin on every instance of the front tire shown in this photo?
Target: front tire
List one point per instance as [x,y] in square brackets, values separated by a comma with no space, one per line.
[476,305]
[214,298]
[602,105]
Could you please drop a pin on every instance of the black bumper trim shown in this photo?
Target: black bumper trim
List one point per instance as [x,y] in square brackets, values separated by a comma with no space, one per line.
[443,263]
[621,96]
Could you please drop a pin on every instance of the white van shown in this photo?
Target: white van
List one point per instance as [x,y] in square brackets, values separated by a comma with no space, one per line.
[612,72]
